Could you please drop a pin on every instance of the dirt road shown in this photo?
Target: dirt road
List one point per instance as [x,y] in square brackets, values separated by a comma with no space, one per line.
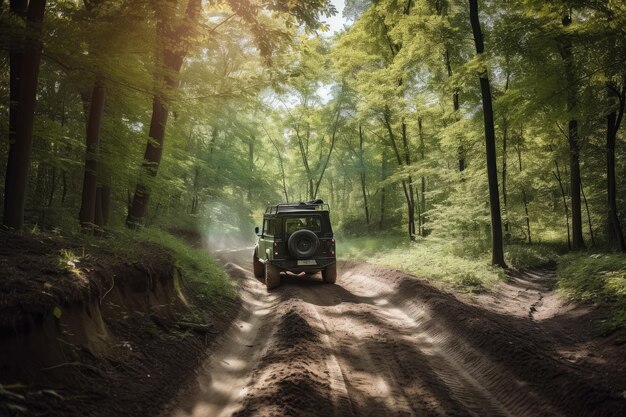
[381,343]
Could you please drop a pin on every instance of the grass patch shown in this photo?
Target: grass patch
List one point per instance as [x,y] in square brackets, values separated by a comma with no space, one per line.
[463,265]
[209,282]
[442,262]
[367,247]
[598,278]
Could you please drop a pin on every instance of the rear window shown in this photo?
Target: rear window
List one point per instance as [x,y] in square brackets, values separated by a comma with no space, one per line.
[312,223]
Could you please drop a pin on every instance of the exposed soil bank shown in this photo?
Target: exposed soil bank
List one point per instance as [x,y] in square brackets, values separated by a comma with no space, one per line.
[383,343]
[96,334]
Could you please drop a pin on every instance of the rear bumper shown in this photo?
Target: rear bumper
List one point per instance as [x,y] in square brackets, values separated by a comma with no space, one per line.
[291,265]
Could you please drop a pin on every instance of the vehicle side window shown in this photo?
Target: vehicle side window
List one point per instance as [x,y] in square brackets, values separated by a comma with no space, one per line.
[269,227]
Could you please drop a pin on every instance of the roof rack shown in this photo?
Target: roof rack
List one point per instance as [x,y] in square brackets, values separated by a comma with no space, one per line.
[315,205]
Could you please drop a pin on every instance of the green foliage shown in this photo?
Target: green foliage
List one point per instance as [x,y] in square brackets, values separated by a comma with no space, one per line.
[208,281]
[433,259]
[67,260]
[598,278]
[367,247]
[593,276]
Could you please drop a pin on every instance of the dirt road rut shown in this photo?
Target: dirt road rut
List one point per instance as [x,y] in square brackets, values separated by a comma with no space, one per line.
[381,343]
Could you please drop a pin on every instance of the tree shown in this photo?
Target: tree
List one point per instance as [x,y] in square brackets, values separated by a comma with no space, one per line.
[20,150]
[497,250]
[88,208]
[174,44]
[573,140]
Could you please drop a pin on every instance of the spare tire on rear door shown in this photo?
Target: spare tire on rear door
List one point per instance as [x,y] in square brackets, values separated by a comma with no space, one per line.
[302,244]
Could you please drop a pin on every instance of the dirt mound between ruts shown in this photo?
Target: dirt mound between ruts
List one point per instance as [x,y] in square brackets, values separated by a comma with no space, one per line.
[290,379]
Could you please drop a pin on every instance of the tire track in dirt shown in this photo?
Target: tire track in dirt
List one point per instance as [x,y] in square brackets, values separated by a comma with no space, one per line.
[381,343]
[400,368]
[221,382]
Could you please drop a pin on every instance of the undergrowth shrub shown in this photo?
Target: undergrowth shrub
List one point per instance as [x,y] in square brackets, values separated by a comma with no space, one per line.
[593,277]
[522,256]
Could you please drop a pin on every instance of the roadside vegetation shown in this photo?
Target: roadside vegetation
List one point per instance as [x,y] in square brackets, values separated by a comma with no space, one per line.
[587,277]
[208,281]
[595,277]
[461,265]
[204,279]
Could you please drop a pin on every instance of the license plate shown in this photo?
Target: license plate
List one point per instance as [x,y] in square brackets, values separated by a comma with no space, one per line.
[307,262]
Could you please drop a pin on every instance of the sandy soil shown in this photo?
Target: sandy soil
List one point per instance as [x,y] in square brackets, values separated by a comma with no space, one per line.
[382,343]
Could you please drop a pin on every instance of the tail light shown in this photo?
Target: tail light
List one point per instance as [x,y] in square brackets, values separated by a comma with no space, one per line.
[275,248]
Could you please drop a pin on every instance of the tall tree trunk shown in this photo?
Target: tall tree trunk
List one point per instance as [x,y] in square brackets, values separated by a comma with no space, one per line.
[53,183]
[442,11]
[407,160]
[526,215]
[573,141]
[505,137]
[524,198]
[18,8]
[250,167]
[593,240]
[18,162]
[614,120]
[304,153]
[575,187]
[362,175]
[87,214]
[497,249]
[405,189]
[557,175]
[279,153]
[505,133]
[194,200]
[152,159]
[175,44]
[330,151]
[422,215]
[383,177]
[64,192]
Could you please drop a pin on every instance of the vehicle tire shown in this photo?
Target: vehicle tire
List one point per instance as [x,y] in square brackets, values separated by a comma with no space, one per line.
[302,244]
[257,266]
[272,276]
[329,274]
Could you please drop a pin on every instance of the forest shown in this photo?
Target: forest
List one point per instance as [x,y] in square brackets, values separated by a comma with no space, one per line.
[426,118]
[460,141]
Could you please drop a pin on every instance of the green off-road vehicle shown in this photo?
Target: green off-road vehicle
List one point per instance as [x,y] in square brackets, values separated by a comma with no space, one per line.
[295,238]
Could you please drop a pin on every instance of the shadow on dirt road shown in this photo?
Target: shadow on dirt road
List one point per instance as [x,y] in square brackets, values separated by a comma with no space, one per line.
[382,343]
